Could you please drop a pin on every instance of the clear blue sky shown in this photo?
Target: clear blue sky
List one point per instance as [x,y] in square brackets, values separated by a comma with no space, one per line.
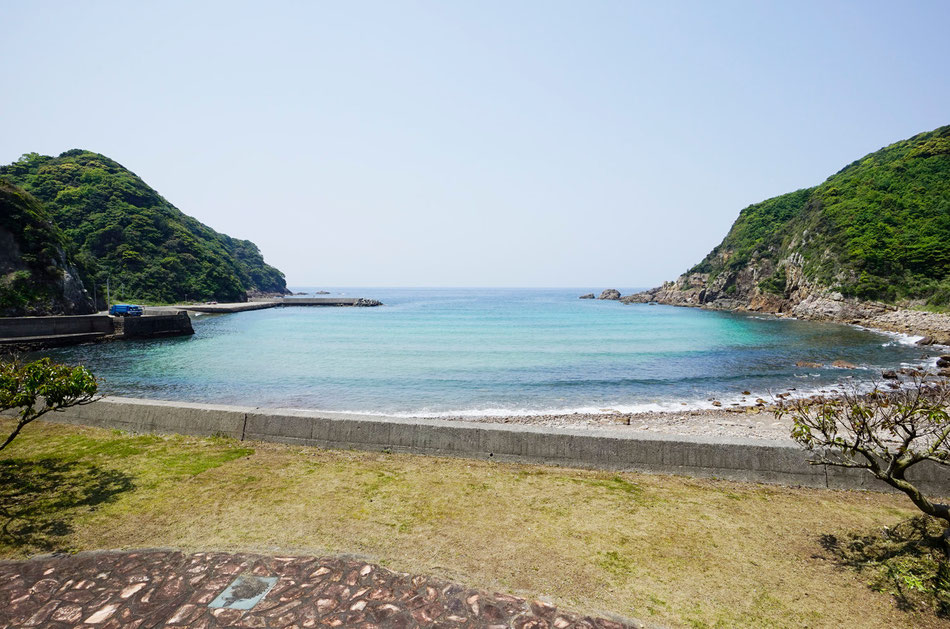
[478,143]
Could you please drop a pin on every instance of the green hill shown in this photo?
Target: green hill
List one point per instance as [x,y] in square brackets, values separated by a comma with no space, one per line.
[879,229]
[124,231]
[37,275]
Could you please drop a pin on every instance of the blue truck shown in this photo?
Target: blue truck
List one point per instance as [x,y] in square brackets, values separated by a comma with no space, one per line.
[125,310]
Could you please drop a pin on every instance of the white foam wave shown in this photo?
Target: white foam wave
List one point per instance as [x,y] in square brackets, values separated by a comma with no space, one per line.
[899,338]
[848,383]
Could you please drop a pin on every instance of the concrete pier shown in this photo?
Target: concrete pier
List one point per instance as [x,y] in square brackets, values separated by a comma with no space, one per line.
[29,333]
[260,304]
[243,306]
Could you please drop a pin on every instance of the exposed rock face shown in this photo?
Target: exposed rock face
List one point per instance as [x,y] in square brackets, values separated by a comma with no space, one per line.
[58,290]
[76,299]
[610,293]
[741,290]
[587,296]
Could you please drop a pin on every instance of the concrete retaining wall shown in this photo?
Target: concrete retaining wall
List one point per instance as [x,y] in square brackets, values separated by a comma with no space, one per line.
[734,459]
[176,324]
[15,327]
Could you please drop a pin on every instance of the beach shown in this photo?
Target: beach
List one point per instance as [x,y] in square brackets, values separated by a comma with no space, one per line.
[744,422]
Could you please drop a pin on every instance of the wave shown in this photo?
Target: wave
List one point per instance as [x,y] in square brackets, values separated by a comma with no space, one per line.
[656,406]
[899,338]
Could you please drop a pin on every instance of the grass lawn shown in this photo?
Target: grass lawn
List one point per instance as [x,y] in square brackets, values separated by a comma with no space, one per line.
[666,549]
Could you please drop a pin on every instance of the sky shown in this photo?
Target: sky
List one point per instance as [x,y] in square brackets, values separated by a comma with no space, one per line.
[489,143]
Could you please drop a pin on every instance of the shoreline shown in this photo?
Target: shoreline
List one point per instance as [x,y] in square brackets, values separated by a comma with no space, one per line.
[746,459]
[745,422]
[729,415]
[932,328]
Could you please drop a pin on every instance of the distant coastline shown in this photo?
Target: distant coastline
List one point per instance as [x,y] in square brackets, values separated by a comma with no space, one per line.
[933,328]
[866,247]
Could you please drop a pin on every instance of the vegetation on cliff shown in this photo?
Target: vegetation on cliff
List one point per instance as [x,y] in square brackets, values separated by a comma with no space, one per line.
[37,274]
[126,232]
[879,229]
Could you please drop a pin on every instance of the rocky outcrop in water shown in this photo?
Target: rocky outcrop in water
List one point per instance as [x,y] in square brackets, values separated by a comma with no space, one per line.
[801,300]
[367,303]
[587,296]
[611,294]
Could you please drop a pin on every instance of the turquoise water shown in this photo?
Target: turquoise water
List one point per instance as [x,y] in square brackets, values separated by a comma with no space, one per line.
[481,351]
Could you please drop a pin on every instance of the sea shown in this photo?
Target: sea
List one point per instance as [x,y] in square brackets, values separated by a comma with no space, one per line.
[440,352]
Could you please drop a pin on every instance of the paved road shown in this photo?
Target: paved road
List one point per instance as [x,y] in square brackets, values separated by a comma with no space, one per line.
[138,590]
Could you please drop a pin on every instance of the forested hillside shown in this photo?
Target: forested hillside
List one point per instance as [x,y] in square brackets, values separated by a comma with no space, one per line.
[123,231]
[37,274]
[879,229]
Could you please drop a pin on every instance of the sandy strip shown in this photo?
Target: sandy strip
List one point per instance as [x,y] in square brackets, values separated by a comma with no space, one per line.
[748,422]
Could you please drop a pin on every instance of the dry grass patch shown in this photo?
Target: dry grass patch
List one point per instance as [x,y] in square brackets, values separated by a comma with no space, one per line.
[672,550]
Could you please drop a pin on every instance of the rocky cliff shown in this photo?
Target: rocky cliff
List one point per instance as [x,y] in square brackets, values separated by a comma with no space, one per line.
[870,245]
[37,275]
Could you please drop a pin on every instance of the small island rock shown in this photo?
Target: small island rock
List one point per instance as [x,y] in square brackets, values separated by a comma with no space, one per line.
[587,296]
[610,293]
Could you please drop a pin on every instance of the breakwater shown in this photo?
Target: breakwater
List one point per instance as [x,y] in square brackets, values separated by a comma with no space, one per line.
[30,333]
[26,329]
[733,459]
[18,333]
[262,304]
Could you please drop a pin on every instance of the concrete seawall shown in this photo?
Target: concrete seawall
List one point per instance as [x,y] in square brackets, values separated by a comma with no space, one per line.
[177,324]
[17,327]
[734,459]
[38,332]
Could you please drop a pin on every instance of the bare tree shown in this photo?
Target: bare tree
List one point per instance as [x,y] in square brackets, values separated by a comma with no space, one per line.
[885,433]
[41,386]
